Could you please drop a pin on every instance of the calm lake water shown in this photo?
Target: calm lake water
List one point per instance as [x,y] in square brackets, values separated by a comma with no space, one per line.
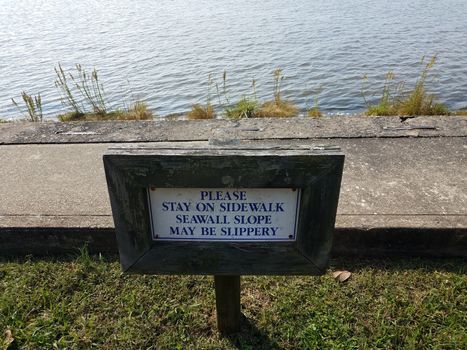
[163,51]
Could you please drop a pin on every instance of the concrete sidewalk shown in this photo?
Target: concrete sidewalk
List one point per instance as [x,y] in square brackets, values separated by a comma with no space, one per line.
[401,193]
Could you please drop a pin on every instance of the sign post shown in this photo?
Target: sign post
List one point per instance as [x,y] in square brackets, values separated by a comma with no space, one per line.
[224,212]
[228,303]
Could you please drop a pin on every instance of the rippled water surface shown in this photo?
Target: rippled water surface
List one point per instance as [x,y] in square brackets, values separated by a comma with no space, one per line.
[163,51]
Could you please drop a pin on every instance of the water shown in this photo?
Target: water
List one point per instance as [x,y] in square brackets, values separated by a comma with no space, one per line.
[163,51]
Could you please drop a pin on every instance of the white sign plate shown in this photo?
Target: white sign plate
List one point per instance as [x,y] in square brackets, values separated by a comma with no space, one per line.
[220,214]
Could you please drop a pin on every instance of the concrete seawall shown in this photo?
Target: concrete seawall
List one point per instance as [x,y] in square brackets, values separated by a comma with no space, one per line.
[404,189]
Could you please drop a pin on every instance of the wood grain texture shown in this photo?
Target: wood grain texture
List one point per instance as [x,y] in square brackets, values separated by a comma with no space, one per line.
[228,303]
[131,170]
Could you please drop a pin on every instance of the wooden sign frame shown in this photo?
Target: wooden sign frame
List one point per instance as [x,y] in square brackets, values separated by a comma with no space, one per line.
[132,169]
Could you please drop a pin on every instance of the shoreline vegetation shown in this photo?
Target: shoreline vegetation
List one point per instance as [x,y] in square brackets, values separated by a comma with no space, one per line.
[82,95]
[397,100]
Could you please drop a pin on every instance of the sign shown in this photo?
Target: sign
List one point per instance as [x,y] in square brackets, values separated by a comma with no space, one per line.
[253,209]
[247,209]
[223,214]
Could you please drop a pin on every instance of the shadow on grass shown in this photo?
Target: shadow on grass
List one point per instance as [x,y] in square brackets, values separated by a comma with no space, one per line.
[251,337]
[356,264]
[347,263]
[57,258]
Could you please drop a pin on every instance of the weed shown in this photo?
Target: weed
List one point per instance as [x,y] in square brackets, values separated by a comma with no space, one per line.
[244,108]
[137,111]
[396,101]
[439,109]
[199,111]
[223,97]
[87,86]
[278,77]
[314,112]
[278,107]
[87,89]
[72,116]
[253,86]
[388,100]
[239,109]
[62,85]
[224,88]
[33,106]
[461,112]
[90,87]
[271,109]
[418,101]
[83,257]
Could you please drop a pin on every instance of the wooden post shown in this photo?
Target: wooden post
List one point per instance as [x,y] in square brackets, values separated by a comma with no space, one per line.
[228,303]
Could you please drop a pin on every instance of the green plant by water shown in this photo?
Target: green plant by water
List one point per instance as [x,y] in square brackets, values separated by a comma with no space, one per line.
[245,107]
[314,112]
[203,111]
[397,100]
[251,107]
[278,107]
[83,94]
[33,105]
[81,84]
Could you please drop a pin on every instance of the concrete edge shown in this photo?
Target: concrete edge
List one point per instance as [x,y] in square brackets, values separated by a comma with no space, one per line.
[374,242]
[248,129]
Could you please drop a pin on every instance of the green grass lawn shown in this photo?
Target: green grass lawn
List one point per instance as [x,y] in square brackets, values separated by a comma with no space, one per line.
[86,302]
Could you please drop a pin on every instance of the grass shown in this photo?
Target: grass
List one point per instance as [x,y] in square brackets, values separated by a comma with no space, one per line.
[83,94]
[278,107]
[81,91]
[203,111]
[250,107]
[33,106]
[199,111]
[395,100]
[86,302]
[314,112]
[137,111]
[244,108]
[461,112]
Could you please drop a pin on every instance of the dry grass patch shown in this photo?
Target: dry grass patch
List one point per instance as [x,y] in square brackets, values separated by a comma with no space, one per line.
[461,112]
[277,109]
[137,111]
[314,113]
[199,111]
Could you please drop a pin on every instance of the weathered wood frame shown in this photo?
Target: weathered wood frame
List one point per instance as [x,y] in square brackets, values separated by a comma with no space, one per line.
[130,171]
